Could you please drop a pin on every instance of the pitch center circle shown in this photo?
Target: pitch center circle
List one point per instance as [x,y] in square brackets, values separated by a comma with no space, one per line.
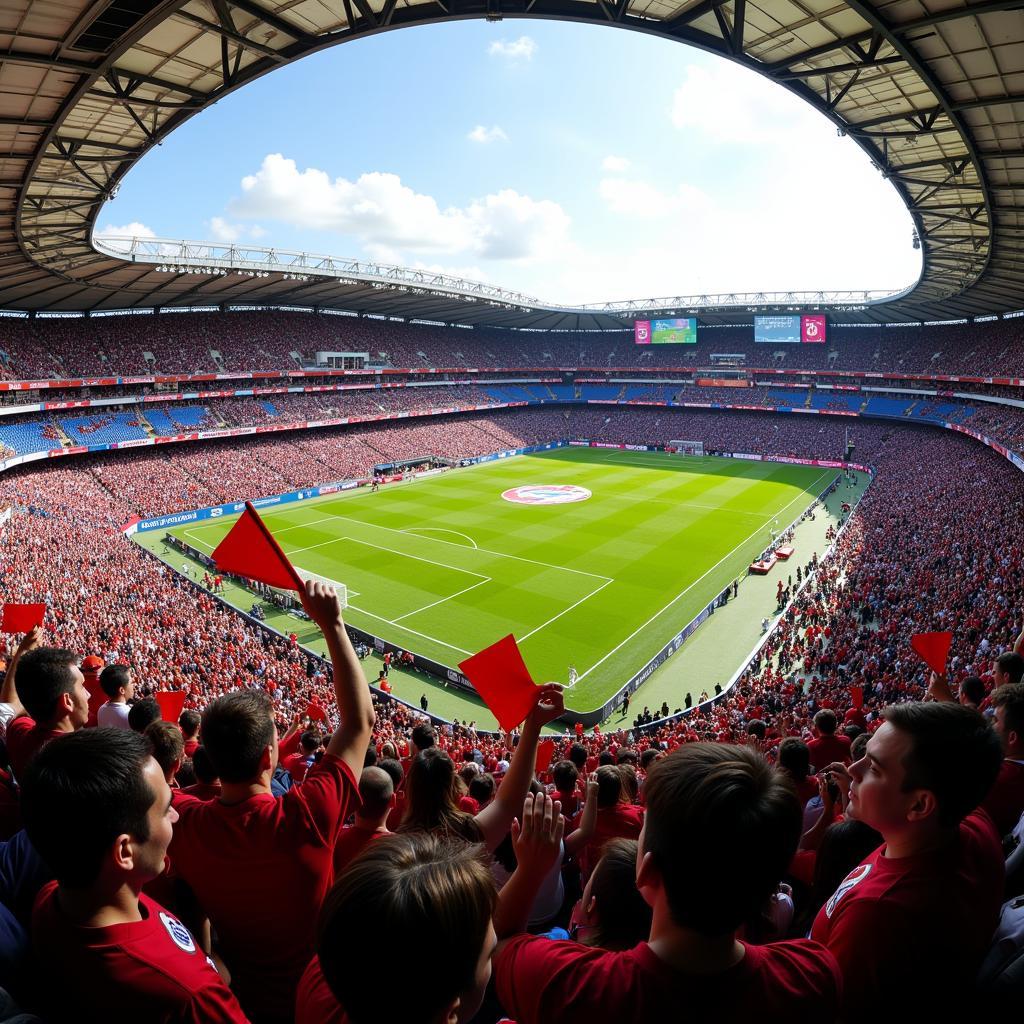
[546,494]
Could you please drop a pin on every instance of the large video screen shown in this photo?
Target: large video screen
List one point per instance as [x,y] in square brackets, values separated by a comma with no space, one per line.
[777,330]
[666,332]
[790,329]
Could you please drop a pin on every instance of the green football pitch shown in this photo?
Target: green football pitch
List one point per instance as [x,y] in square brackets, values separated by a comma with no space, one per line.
[444,565]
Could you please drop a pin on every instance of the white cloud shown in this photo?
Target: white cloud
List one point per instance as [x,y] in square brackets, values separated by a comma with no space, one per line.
[484,135]
[133,230]
[473,273]
[224,231]
[381,211]
[513,50]
[615,164]
[728,103]
[642,199]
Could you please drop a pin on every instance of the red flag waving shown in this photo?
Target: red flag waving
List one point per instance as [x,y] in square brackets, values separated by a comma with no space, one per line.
[21,618]
[545,752]
[933,649]
[250,550]
[316,712]
[171,702]
[857,696]
[502,679]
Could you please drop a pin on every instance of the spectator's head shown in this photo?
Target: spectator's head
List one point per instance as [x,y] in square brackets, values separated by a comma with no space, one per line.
[413,884]
[626,756]
[757,729]
[972,691]
[142,713]
[98,810]
[926,768]
[52,688]
[394,768]
[240,736]
[578,755]
[481,788]
[1009,719]
[714,803]
[189,721]
[203,768]
[388,750]
[605,758]
[1007,668]
[168,747]
[376,794]
[609,786]
[432,794]
[613,912]
[117,683]
[795,758]
[648,757]
[565,776]
[825,722]
[310,741]
[423,736]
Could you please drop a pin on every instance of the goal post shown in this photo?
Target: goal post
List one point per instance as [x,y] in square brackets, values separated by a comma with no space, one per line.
[685,447]
[305,574]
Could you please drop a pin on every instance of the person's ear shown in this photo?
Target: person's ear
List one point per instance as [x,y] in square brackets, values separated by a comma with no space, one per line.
[67,703]
[122,852]
[267,758]
[176,767]
[450,1014]
[648,880]
[924,805]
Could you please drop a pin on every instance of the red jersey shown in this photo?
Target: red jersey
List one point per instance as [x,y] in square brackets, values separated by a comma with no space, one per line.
[260,870]
[1005,800]
[351,842]
[314,1001]
[928,917]
[623,821]
[826,749]
[24,740]
[148,970]
[203,790]
[539,981]
[191,746]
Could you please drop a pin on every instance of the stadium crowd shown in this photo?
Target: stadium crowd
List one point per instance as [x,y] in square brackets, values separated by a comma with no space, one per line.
[642,874]
[274,340]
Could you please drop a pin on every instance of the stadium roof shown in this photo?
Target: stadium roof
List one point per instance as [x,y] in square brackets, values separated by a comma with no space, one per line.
[933,90]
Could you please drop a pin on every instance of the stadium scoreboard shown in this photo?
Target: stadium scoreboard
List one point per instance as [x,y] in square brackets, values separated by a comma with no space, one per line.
[666,332]
[790,329]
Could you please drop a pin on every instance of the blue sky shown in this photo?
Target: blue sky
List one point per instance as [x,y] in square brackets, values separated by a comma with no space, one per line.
[574,163]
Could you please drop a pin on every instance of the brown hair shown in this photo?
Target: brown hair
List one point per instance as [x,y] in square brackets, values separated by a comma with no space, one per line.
[167,742]
[721,828]
[439,890]
[431,789]
[623,916]
[1011,699]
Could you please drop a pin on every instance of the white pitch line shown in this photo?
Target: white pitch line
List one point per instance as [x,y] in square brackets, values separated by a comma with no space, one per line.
[417,530]
[391,622]
[442,600]
[394,551]
[565,611]
[484,551]
[201,543]
[683,593]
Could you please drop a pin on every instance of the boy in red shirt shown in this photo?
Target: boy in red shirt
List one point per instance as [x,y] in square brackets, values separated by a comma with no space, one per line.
[922,908]
[826,746]
[98,810]
[260,866]
[720,829]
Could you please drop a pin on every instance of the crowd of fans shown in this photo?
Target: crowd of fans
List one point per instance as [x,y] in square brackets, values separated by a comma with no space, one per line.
[642,874]
[218,343]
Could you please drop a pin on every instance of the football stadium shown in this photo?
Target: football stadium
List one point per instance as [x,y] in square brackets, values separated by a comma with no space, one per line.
[629,659]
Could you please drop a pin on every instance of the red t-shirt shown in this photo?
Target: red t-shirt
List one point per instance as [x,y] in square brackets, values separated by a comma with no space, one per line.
[623,821]
[203,790]
[826,749]
[24,740]
[260,870]
[928,918]
[1005,800]
[296,765]
[542,981]
[149,970]
[351,842]
[314,1001]
[191,746]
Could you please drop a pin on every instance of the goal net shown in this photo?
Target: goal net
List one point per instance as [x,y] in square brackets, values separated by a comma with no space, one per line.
[305,574]
[686,447]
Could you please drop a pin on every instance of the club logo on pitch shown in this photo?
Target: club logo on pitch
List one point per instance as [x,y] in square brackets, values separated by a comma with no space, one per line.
[546,494]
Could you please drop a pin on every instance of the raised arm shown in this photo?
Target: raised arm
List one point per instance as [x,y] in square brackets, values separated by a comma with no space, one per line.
[9,690]
[575,841]
[351,692]
[1018,644]
[496,818]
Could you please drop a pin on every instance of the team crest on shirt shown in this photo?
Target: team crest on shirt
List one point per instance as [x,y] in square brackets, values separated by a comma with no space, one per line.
[179,934]
[854,878]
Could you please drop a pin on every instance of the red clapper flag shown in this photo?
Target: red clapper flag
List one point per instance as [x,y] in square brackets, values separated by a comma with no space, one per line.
[316,712]
[502,679]
[250,550]
[933,649]
[21,618]
[171,702]
[545,752]
[857,696]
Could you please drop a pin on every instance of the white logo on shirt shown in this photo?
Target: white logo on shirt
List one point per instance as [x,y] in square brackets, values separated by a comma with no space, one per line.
[855,877]
[179,934]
